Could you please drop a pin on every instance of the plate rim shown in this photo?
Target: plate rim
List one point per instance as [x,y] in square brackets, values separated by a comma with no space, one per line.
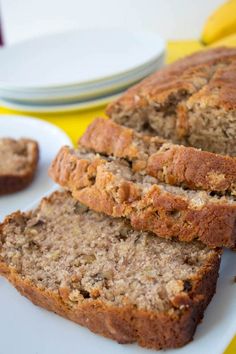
[63,108]
[157,36]
[36,120]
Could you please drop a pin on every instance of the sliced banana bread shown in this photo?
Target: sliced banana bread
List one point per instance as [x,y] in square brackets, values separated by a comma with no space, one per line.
[18,163]
[95,270]
[109,185]
[192,102]
[173,164]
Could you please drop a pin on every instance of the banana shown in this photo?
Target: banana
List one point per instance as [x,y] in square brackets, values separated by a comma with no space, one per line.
[221,23]
[229,41]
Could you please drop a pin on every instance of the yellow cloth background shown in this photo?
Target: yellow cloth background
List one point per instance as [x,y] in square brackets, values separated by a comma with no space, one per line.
[75,123]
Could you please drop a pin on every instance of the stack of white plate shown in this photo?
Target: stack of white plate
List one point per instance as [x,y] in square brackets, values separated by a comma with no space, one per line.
[77,69]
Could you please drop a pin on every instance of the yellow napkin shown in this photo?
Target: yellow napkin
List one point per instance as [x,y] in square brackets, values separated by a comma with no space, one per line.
[179,49]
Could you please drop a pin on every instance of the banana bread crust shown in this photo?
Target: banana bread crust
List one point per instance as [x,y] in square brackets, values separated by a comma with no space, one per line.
[106,137]
[169,163]
[188,102]
[166,214]
[157,85]
[128,324]
[14,181]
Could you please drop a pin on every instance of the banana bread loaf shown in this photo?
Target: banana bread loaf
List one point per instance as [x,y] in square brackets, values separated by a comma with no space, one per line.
[192,102]
[173,164]
[18,163]
[109,185]
[95,270]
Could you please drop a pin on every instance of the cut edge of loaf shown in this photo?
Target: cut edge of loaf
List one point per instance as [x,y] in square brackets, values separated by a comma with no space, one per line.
[110,186]
[188,102]
[127,323]
[14,181]
[173,164]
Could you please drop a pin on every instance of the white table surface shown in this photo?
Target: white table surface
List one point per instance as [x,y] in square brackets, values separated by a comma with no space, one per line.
[173,19]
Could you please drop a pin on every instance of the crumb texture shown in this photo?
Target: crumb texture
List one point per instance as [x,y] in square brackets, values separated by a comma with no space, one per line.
[19,159]
[16,155]
[64,245]
[97,271]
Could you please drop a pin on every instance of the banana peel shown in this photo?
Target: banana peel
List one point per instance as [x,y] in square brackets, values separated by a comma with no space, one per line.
[221,23]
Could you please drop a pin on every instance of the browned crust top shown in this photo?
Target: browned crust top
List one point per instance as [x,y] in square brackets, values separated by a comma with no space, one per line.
[220,90]
[105,136]
[187,75]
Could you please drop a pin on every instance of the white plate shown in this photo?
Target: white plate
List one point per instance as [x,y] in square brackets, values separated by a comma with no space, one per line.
[76,57]
[28,329]
[50,139]
[77,92]
[57,108]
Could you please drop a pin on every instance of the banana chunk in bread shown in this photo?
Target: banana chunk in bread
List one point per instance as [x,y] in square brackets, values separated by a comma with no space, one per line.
[170,163]
[109,185]
[95,270]
[191,102]
[18,163]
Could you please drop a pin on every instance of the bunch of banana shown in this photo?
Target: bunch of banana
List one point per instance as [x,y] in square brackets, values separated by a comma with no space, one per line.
[220,28]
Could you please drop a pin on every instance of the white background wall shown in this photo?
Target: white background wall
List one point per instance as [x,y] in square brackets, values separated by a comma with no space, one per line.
[174,19]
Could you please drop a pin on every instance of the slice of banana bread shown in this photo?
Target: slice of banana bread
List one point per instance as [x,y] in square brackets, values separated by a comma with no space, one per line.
[173,164]
[18,163]
[109,185]
[95,270]
[191,102]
